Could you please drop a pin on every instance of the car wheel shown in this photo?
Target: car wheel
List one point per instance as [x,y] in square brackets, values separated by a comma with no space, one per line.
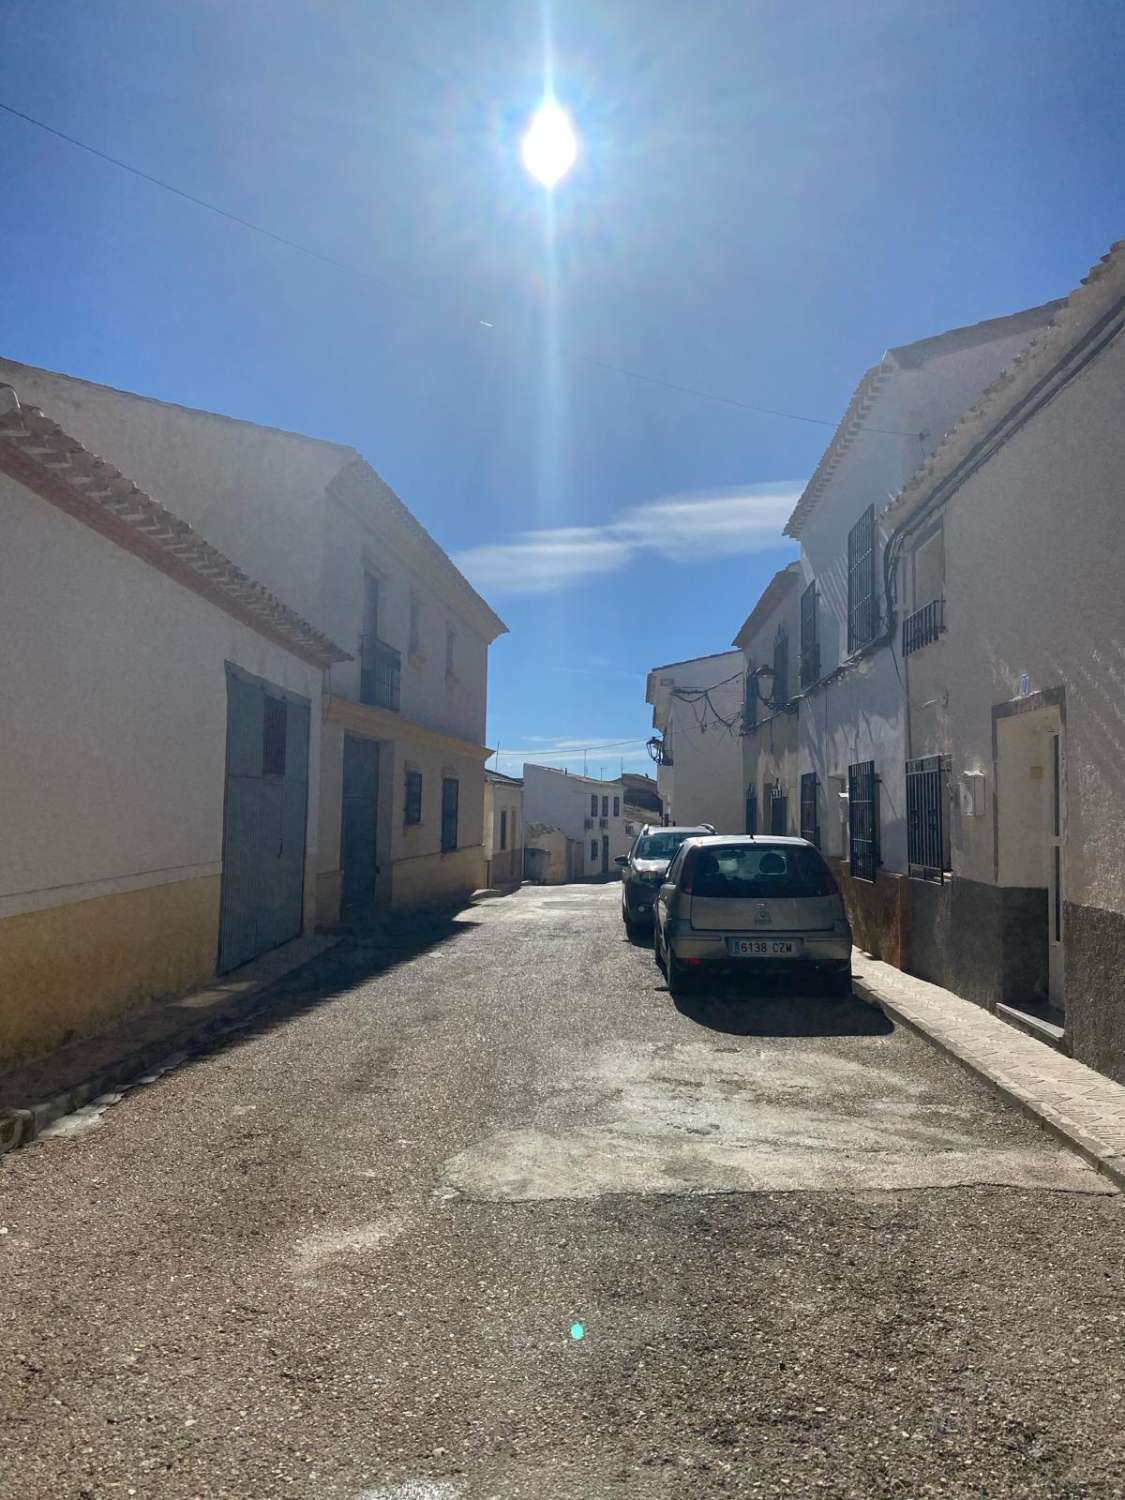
[657,950]
[681,980]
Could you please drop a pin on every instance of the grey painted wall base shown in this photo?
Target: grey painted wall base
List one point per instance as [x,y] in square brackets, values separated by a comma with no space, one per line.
[1095,987]
[985,942]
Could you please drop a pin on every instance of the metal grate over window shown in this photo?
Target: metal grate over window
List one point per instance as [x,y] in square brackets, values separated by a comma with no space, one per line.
[923,626]
[926,850]
[863,820]
[450,797]
[810,643]
[810,821]
[779,811]
[412,806]
[751,809]
[863,612]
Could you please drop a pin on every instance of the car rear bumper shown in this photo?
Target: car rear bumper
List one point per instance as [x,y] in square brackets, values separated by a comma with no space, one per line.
[829,953]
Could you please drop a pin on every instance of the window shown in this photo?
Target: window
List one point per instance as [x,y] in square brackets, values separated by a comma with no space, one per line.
[923,626]
[863,613]
[927,850]
[450,795]
[742,872]
[810,644]
[751,809]
[450,651]
[863,820]
[412,806]
[605,807]
[617,807]
[380,665]
[415,647]
[593,804]
[750,704]
[780,692]
[503,830]
[275,727]
[593,848]
[779,811]
[810,819]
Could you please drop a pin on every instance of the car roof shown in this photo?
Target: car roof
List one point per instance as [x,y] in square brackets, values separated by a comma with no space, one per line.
[651,828]
[764,840]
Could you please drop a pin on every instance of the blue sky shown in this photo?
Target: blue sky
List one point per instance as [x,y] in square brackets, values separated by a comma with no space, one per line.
[767,196]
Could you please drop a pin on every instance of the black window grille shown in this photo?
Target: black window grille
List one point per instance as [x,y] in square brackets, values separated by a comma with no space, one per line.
[926,848]
[923,626]
[593,804]
[780,692]
[412,807]
[810,643]
[751,810]
[450,797]
[380,674]
[863,820]
[863,611]
[275,730]
[779,811]
[617,807]
[605,807]
[593,848]
[810,817]
[503,830]
[750,704]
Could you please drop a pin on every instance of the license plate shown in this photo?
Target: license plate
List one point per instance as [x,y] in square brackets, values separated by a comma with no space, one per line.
[761,947]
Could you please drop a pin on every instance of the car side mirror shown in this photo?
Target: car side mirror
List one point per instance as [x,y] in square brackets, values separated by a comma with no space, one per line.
[621,861]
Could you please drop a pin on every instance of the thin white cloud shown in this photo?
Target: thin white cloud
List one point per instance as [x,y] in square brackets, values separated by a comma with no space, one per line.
[719,523]
[572,754]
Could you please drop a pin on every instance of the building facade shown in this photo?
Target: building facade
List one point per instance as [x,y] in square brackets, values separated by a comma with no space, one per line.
[586,811]
[159,768]
[401,733]
[1010,583]
[852,708]
[697,714]
[503,831]
[769,720]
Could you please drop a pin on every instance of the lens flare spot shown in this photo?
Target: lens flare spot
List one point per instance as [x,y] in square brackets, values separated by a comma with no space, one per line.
[550,146]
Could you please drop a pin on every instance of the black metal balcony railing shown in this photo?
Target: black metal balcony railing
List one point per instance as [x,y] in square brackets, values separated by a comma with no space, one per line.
[923,626]
[380,674]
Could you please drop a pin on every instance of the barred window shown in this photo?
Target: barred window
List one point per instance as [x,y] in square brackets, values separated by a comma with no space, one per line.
[810,643]
[751,809]
[863,612]
[810,816]
[863,820]
[450,796]
[927,832]
[593,848]
[779,811]
[412,807]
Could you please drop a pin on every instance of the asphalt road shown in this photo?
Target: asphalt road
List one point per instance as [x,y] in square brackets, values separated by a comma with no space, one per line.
[348,1255]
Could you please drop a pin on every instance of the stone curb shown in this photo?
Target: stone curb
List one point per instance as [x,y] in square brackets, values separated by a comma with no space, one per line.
[19,1127]
[1100,1155]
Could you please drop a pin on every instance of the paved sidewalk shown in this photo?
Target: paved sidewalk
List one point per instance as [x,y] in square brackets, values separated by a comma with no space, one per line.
[1083,1108]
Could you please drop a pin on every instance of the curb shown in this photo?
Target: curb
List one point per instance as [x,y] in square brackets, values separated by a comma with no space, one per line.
[19,1127]
[1100,1156]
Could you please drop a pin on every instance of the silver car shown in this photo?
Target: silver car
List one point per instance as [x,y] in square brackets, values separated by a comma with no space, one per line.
[756,905]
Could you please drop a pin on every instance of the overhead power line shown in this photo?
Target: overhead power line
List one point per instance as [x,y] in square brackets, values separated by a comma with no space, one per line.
[353,270]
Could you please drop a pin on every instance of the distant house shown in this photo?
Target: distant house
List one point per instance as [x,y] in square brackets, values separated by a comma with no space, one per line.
[159,775]
[587,811]
[398,749]
[503,830]
[697,714]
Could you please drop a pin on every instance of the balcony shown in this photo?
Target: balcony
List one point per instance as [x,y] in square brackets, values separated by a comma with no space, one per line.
[923,626]
[380,674]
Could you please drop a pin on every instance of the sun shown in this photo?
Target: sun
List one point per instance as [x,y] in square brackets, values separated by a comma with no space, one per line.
[550,146]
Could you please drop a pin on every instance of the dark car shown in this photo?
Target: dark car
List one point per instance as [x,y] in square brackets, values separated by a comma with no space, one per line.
[757,905]
[643,869]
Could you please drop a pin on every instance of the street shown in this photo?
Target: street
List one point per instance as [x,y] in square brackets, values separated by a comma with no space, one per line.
[488,1214]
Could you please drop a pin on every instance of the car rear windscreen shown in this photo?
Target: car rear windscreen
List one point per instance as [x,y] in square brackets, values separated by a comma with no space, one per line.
[749,870]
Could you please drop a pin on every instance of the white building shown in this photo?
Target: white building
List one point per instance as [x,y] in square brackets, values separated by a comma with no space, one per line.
[503,830]
[697,712]
[401,768]
[585,810]
[1009,577]
[159,748]
[852,715]
[767,641]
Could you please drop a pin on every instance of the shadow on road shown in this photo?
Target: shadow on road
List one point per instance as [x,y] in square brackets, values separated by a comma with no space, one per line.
[778,1010]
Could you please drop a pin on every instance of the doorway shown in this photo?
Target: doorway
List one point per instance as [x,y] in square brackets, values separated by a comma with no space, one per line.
[605,853]
[359,827]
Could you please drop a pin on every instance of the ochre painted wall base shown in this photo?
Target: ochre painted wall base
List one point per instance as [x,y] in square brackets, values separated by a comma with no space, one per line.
[68,970]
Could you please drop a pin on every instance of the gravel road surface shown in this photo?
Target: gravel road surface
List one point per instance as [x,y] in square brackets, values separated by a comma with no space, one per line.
[483,1213]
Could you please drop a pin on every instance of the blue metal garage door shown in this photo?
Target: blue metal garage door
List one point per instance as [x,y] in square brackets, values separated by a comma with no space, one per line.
[264,822]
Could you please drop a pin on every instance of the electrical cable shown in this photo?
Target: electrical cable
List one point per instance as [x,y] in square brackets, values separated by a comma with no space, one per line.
[353,270]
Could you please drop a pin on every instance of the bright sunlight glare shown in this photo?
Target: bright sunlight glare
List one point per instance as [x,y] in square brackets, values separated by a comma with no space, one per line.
[550,145]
